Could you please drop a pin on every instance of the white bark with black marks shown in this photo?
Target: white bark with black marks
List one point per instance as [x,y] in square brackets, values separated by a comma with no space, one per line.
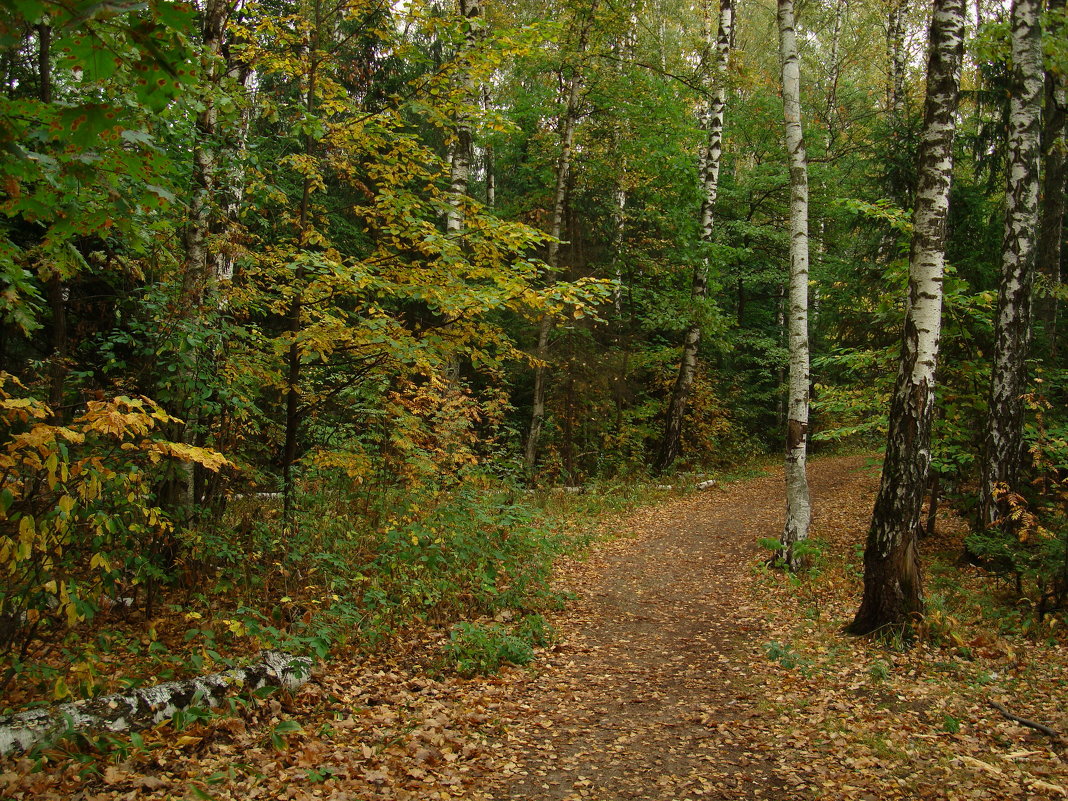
[141,709]
[1004,451]
[709,164]
[895,59]
[892,581]
[798,504]
[462,149]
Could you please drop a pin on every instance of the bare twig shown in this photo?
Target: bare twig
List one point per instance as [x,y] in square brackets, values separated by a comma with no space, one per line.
[1049,732]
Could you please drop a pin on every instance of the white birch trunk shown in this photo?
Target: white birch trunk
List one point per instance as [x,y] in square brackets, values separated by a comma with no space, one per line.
[140,709]
[490,160]
[709,163]
[892,581]
[1004,451]
[798,506]
[462,149]
[895,57]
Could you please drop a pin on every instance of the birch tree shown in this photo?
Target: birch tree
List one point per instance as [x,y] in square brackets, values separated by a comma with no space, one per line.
[1004,447]
[462,150]
[892,581]
[709,175]
[798,506]
[895,59]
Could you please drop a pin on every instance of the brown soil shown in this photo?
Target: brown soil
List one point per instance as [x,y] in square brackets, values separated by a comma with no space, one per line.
[650,691]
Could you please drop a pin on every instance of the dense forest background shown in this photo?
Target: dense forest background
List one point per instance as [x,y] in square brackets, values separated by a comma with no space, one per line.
[297,296]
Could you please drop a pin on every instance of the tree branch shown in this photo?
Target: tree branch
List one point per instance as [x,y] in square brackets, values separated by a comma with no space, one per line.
[1042,727]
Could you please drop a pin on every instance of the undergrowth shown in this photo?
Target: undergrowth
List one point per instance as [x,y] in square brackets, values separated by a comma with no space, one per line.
[353,567]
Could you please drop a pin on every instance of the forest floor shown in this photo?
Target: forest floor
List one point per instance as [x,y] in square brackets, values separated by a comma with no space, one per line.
[684,669]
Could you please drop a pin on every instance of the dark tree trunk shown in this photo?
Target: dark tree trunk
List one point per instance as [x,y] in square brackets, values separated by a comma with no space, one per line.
[1054,187]
[293,317]
[934,493]
[568,122]
[55,289]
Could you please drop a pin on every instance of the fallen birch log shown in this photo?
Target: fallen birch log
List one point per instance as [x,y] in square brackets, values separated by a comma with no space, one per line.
[140,709]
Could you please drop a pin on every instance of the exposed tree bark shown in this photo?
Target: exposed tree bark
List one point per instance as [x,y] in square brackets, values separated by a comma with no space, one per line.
[462,151]
[490,160]
[893,591]
[671,442]
[55,289]
[140,709]
[213,201]
[1004,447]
[841,13]
[798,505]
[1054,188]
[568,122]
[201,270]
[895,58]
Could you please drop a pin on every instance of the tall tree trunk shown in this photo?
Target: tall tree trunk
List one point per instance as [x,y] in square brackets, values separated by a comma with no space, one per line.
[462,150]
[895,58]
[491,167]
[671,442]
[552,259]
[798,506]
[1054,187]
[55,290]
[893,591]
[834,68]
[200,272]
[295,311]
[1004,447]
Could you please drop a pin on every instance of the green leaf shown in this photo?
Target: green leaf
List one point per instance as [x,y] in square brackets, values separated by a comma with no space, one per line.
[87,122]
[87,53]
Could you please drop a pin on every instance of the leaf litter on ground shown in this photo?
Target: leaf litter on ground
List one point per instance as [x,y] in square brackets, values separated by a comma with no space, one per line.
[685,669]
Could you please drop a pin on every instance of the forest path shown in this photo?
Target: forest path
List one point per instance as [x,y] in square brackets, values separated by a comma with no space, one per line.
[644,697]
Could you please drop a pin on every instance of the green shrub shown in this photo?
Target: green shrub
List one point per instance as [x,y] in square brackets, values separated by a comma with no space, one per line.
[481,649]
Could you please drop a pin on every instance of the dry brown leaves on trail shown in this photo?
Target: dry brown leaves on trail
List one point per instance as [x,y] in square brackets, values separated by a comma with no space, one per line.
[683,671]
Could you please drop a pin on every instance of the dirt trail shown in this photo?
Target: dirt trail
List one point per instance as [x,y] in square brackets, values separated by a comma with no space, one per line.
[645,697]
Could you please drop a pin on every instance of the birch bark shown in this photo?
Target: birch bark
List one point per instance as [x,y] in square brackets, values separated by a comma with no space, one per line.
[893,591]
[462,153]
[798,506]
[1004,447]
[671,442]
[895,57]
[200,272]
